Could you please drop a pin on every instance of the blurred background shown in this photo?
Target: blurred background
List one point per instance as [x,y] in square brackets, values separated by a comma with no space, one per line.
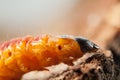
[97,20]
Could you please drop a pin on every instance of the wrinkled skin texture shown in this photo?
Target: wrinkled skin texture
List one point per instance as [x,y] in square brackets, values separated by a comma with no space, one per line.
[22,55]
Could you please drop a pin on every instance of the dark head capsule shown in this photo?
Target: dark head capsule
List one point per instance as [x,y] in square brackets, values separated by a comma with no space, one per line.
[86,45]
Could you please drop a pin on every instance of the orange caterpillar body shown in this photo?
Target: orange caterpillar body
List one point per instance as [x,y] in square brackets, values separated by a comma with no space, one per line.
[22,55]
